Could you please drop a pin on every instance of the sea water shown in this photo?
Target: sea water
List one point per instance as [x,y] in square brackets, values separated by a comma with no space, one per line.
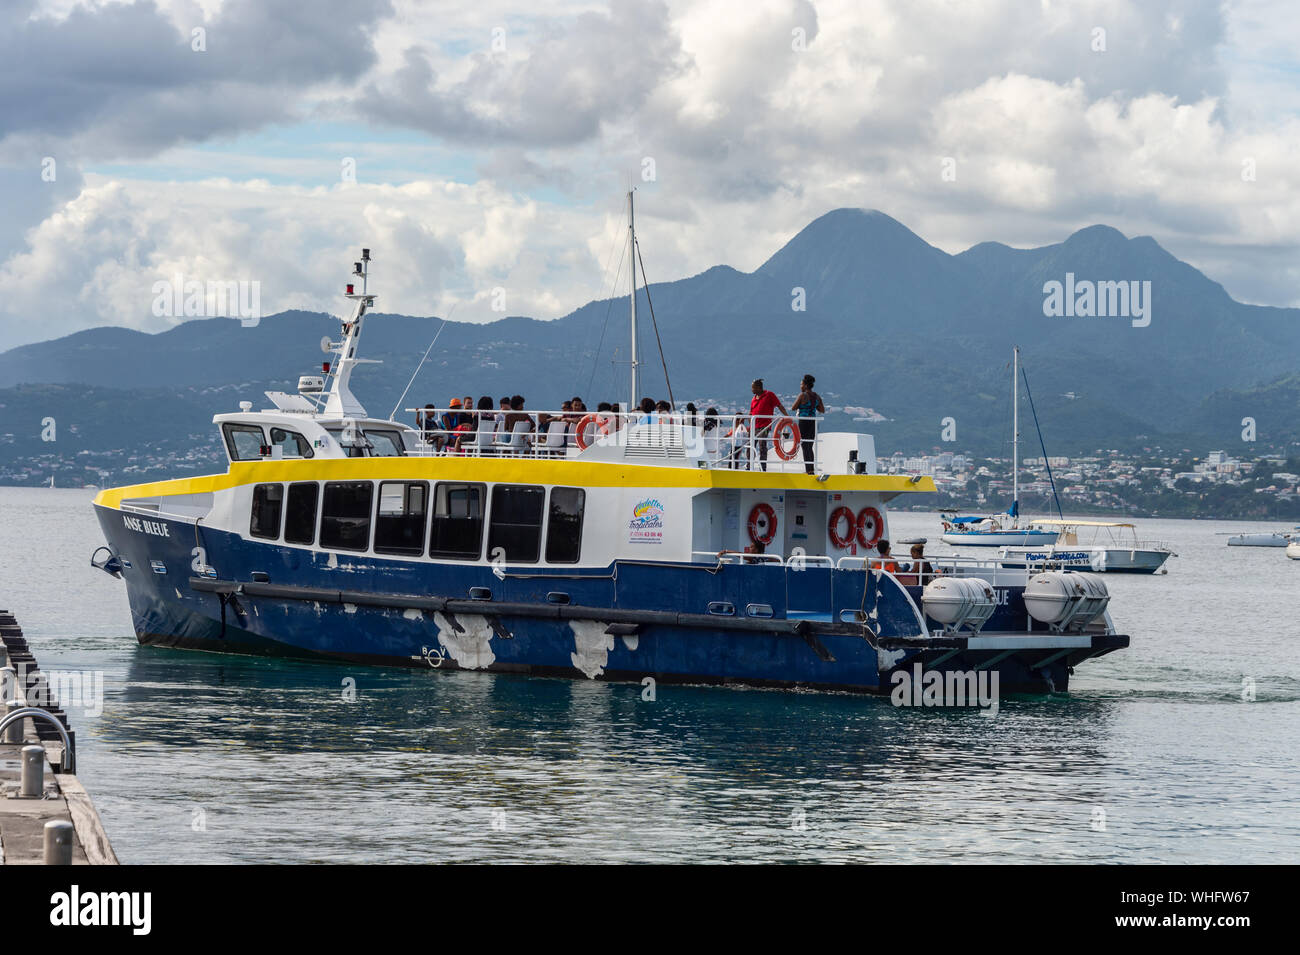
[1182,748]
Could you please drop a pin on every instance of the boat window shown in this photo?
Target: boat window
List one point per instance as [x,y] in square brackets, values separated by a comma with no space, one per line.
[564,525]
[268,501]
[457,527]
[300,513]
[516,522]
[354,446]
[294,444]
[385,444]
[244,441]
[399,524]
[345,515]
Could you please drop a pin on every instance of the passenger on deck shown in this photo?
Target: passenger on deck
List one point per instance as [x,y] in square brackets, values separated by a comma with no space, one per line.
[647,411]
[886,561]
[426,420]
[503,411]
[519,424]
[923,569]
[692,418]
[807,406]
[482,426]
[606,417]
[664,413]
[450,424]
[736,444]
[710,436]
[761,407]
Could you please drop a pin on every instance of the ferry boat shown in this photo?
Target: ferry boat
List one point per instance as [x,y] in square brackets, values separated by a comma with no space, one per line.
[1113,547]
[627,549]
[1001,530]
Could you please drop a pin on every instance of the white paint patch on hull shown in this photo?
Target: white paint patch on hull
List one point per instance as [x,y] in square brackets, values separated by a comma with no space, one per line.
[631,641]
[413,614]
[888,659]
[591,645]
[472,650]
[349,608]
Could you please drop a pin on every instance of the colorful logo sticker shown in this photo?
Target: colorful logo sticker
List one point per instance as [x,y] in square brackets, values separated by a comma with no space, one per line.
[647,524]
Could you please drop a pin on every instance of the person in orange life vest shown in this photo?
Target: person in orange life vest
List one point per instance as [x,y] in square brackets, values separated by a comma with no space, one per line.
[760,408]
[886,562]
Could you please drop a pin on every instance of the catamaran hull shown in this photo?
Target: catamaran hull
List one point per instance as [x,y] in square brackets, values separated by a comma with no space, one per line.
[267,599]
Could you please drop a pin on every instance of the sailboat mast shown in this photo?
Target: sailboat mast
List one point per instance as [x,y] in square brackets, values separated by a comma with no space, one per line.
[1015,432]
[631,238]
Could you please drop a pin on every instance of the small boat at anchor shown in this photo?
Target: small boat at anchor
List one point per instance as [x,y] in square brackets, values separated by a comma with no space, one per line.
[610,547]
[1005,529]
[1110,547]
[1264,538]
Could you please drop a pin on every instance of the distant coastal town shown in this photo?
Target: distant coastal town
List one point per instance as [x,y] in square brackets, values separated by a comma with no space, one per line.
[1153,483]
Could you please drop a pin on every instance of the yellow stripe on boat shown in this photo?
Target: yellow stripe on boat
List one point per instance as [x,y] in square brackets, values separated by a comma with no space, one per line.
[496,470]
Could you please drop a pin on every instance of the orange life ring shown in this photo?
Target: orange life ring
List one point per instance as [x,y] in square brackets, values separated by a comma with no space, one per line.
[869,515]
[833,528]
[762,510]
[788,428]
[590,420]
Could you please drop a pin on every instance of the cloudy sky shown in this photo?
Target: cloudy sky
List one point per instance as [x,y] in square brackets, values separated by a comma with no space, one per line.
[489,146]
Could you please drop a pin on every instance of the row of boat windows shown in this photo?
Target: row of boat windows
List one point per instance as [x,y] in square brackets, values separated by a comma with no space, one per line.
[246,441]
[407,515]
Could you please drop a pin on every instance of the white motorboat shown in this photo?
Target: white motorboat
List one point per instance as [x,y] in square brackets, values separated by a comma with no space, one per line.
[1265,539]
[1109,546]
[1293,550]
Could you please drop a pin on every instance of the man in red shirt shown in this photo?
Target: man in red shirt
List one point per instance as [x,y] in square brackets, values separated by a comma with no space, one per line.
[760,407]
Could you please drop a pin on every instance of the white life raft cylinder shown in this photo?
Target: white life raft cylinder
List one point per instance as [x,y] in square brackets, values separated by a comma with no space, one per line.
[958,602]
[1066,600]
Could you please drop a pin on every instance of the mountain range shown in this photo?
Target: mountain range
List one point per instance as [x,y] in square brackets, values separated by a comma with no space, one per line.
[885,321]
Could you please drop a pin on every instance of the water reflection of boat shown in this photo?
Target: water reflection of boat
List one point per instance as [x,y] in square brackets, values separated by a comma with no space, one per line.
[1113,547]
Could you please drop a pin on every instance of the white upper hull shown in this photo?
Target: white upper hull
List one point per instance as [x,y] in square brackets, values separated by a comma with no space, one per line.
[1020,538]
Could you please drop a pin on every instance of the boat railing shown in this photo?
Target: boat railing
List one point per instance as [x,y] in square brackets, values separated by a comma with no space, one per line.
[1146,545]
[723,441]
[793,562]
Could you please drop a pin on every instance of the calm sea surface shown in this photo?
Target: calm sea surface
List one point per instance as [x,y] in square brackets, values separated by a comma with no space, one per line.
[207,758]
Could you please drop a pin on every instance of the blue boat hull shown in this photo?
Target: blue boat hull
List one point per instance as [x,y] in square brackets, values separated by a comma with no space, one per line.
[625,622]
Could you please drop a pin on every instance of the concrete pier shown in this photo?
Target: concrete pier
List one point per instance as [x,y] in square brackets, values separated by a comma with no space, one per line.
[24,839]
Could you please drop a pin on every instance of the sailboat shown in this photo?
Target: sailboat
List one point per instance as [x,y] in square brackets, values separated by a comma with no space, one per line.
[1005,529]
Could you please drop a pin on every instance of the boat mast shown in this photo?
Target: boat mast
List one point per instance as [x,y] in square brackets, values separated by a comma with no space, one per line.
[1015,435]
[631,238]
[339,400]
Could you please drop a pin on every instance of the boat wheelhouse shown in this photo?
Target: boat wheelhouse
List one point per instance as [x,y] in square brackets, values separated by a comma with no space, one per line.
[613,546]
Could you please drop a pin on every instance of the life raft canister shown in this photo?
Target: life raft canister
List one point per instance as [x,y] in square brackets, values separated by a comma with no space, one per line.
[762,512]
[786,430]
[590,421]
[833,527]
[870,525]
